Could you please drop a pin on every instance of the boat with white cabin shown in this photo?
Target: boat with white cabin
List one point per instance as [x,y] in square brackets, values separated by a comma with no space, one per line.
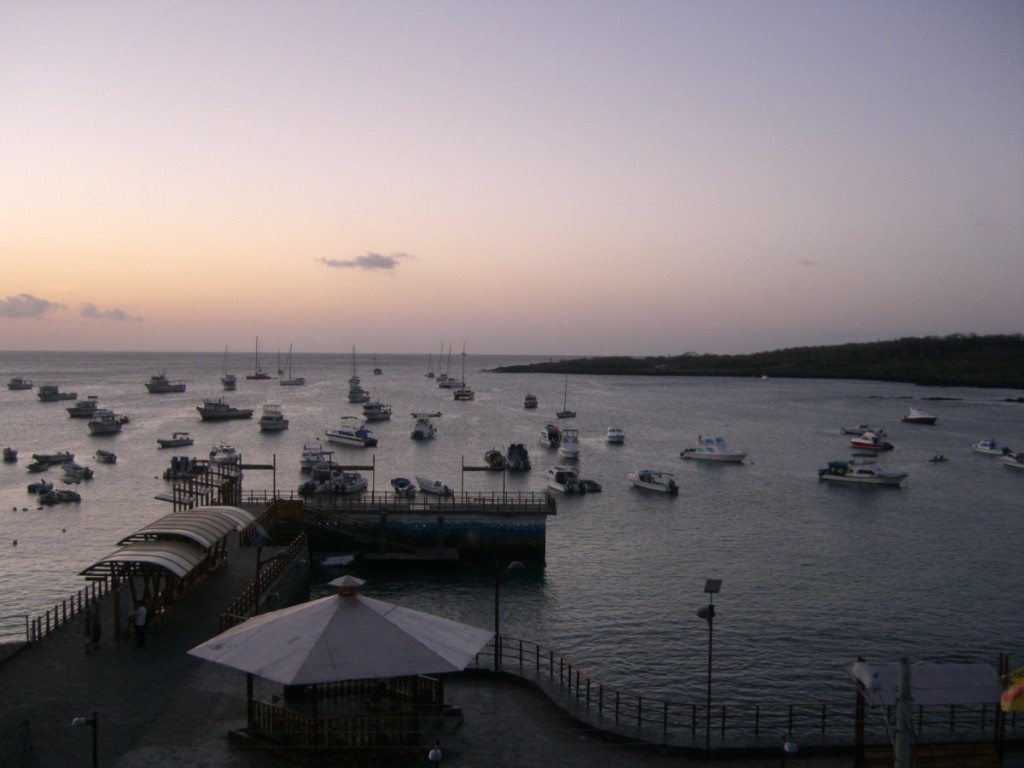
[313,454]
[654,480]
[569,447]
[224,453]
[331,480]
[615,435]
[423,429]
[989,448]
[857,429]
[713,449]
[861,474]
[349,434]
[83,409]
[871,441]
[272,419]
[375,410]
[159,384]
[1013,460]
[105,422]
[564,480]
[917,416]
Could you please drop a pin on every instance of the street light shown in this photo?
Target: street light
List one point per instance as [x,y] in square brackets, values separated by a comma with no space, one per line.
[260,562]
[707,612]
[93,723]
[515,565]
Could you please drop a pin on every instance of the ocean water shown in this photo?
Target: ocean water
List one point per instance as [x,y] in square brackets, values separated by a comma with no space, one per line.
[813,575]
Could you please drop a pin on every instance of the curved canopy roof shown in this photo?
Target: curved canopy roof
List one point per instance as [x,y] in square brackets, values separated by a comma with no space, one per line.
[174,556]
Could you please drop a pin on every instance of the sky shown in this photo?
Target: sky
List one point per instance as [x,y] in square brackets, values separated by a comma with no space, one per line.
[537,177]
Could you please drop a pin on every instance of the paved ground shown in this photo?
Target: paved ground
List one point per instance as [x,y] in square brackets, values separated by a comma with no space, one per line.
[157,707]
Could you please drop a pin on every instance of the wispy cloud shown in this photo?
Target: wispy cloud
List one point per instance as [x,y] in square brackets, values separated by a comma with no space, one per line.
[371,261]
[27,305]
[91,312]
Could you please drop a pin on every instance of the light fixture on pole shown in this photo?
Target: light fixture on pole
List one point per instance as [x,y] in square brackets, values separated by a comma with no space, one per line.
[515,565]
[93,723]
[707,612]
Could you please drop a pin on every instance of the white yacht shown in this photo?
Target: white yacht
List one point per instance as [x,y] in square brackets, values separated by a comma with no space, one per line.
[564,480]
[569,447]
[423,429]
[654,480]
[713,449]
[861,474]
[347,434]
[433,487]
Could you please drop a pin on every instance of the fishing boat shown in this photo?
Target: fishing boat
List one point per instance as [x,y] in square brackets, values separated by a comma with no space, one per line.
[224,454]
[530,401]
[433,487]
[105,457]
[423,429]
[871,441]
[861,474]
[654,480]
[257,372]
[220,410]
[288,380]
[565,413]
[713,449]
[176,440]
[104,422]
[50,393]
[83,409]
[159,384]
[917,416]
[551,435]
[564,480]
[374,410]
[569,447]
[19,383]
[272,419]
[345,434]
[518,458]
[615,435]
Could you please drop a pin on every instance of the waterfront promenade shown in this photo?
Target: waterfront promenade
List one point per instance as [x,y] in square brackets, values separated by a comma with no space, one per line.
[158,707]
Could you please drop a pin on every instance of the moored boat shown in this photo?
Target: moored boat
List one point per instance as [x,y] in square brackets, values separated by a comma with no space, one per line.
[871,441]
[433,487]
[551,435]
[182,468]
[713,449]
[375,410]
[564,480]
[104,422]
[530,401]
[272,419]
[404,487]
[989,448]
[565,413]
[160,384]
[313,454]
[224,453]
[50,393]
[83,409]
[19,383]
[615,435]
[58,457]
[345,434]
[1013,460]
[105,457]
[654,480]
[423,429]
[289,380]
[857,429]
[518,458]
[329,480]
[258,374]
[176,440]
[10,454]
[495,460]
[219,409]
[569,447]
[917,416]
[861,474]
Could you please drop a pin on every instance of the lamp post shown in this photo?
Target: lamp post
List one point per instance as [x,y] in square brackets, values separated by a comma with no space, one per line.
[260,562]
[707,612]
[515,565]
[93,723]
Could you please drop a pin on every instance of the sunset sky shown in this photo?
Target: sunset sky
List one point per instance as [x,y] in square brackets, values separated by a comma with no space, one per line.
[537,177]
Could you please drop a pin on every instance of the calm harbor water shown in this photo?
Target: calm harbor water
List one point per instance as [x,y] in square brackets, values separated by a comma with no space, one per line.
[813,575]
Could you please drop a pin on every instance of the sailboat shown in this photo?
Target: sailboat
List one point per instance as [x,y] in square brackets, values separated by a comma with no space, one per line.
[565,413]
[376,371]
[289,380]
[257,372]
[430,366]
[463,392]
[229,380]
[356,394]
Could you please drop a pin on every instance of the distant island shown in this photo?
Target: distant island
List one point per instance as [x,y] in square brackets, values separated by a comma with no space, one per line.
[956,361]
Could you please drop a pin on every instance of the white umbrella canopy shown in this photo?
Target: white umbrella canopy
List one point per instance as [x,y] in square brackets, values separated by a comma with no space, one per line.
[344,637]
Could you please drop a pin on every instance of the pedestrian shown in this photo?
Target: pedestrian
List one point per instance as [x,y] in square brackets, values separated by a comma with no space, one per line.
[140,624]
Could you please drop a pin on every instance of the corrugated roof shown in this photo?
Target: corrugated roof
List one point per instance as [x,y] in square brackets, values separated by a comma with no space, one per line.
[203,525]
[174,556]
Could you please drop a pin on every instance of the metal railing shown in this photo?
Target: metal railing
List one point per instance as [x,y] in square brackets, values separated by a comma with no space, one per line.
[66,610]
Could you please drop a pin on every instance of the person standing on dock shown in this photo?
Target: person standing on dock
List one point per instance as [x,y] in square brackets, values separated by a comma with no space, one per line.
[140,624]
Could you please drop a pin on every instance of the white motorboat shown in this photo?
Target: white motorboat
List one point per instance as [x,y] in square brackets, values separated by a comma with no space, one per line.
[334,481]
[518,458]
[654,480]
[313,454]
[713,449]
[272,419]
[423,429]
[160,384]
[19,383]
[551,435]
[569,447]
[530,401]
[433,487]
[1013,460]
[289,380]
[224,454]
[50,393]
[861,474]
[176,440]
[59,457]
[374,410]
[857,429]
[83,409]
[615,435]
[347,434]
[871,441]
[917,416]
[105,457]
[104,422]
[564,480]
[990,448]
[220,410]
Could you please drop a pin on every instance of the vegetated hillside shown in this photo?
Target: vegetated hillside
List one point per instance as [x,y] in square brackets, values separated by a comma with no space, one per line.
[959,360]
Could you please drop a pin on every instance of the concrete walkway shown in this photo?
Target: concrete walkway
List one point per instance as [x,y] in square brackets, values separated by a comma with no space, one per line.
[157,707]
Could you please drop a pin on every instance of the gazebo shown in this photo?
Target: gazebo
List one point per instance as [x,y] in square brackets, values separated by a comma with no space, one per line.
[358,674]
